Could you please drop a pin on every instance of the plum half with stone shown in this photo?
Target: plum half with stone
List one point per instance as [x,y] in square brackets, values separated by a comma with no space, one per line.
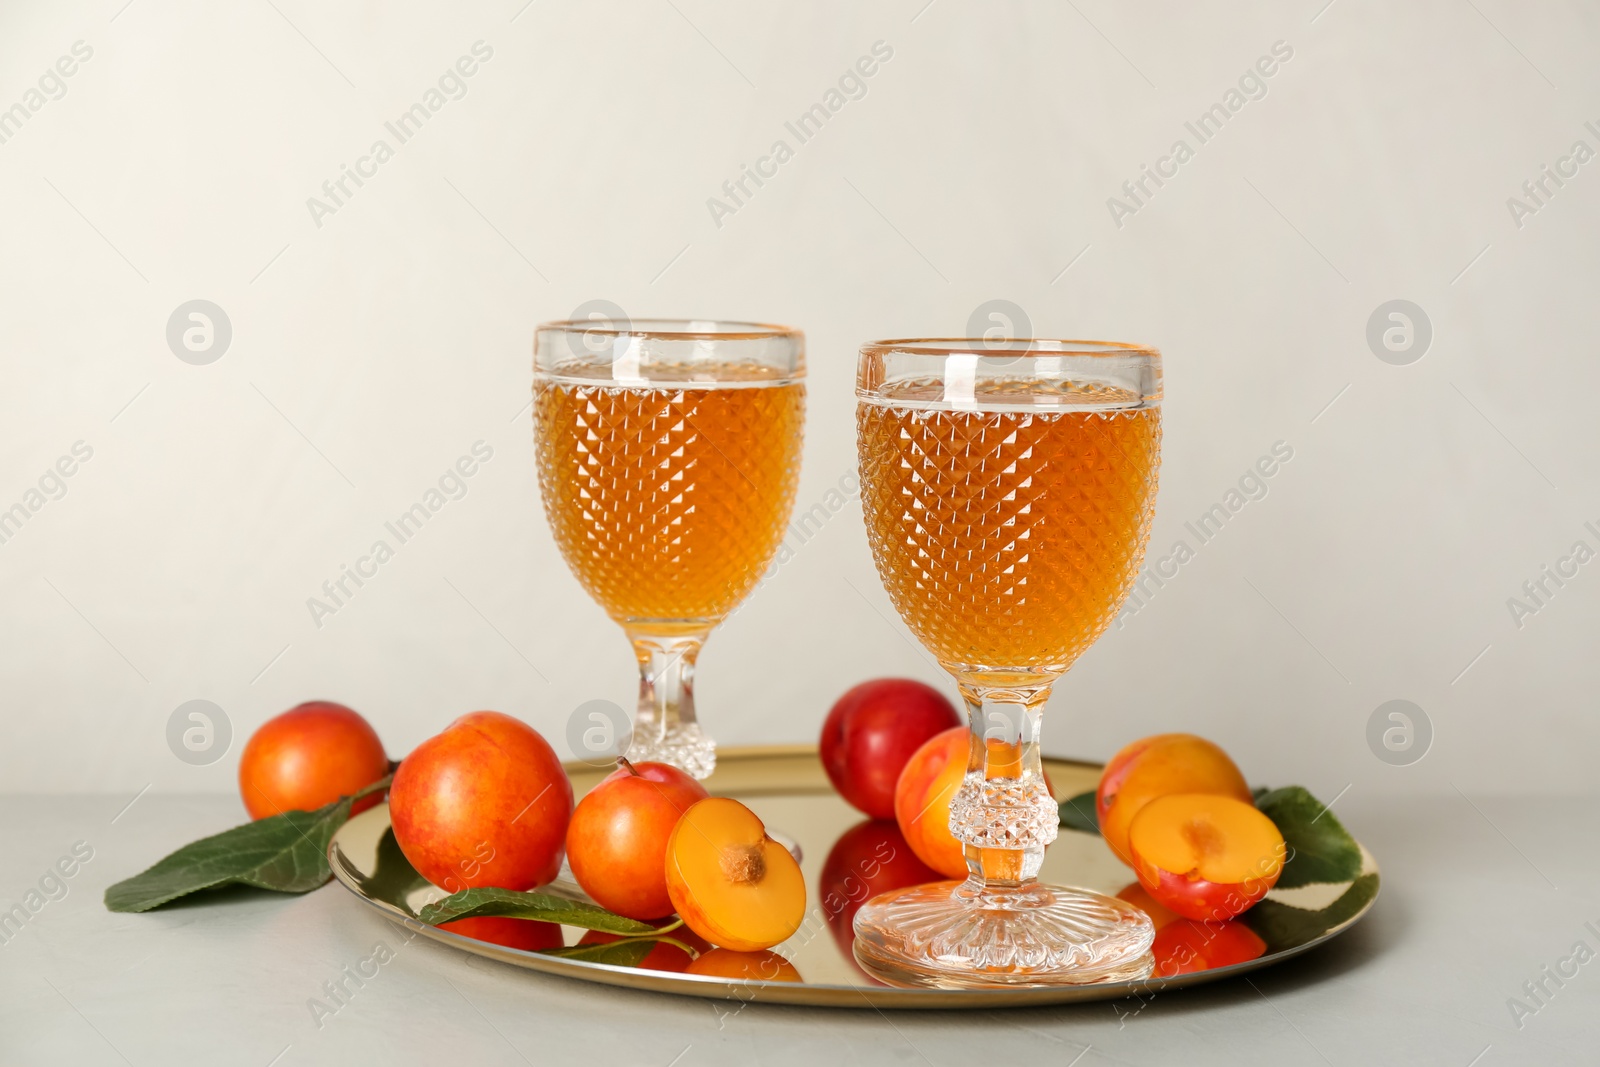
[731,883]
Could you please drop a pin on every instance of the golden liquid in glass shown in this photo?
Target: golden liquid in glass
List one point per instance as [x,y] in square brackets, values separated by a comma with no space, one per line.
[668,500]
[1007,540]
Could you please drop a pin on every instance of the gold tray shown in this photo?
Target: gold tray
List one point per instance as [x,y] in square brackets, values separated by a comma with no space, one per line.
[787,788]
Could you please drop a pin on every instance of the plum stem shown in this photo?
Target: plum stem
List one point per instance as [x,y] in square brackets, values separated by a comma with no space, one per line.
[380,784]
[692,953]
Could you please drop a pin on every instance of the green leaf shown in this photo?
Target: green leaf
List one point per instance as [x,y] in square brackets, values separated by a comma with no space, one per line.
[393,879]
[620,953]
[286,853]
[1078,813]
[488,900]
[1282,926]
[1320,848]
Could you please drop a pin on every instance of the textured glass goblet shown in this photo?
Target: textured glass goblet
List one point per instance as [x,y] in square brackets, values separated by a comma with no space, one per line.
[668,455]
[1008,489]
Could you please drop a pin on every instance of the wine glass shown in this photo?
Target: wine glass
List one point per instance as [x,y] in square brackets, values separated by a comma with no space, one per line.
[1008,489]
[668,454]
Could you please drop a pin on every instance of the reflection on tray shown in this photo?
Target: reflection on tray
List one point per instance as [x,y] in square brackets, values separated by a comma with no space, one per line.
[674,953]
[865,859]
[869,858]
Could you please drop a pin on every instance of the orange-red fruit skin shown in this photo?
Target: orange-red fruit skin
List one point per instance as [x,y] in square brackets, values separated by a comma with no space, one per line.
[922,800]
[1185,946]
[1158,766]
[1196,898]
[484,803]
[617,839]
[1221,818]
[1117,768]
[870,733]
[1137,895]
[310,756]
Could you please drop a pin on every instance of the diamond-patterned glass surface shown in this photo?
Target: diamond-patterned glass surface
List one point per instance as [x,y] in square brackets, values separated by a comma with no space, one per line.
[1006,539]
[668,502]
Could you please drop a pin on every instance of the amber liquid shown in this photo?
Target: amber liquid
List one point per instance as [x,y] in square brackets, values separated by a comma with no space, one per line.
[669,500]
[1008,539]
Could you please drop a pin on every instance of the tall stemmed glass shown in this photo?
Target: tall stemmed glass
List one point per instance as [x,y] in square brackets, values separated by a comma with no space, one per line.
[1008,488]
[668,453]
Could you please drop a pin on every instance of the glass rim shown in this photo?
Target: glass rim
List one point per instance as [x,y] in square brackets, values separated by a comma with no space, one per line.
[665,329]
[1013,348]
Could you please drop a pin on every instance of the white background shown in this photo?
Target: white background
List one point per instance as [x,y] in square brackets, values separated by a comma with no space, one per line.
[371,351]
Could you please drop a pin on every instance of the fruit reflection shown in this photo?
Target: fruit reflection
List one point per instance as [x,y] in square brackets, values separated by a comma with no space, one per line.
[871,857]
[1184,946]
[527,934]
[1139,897]
[663,955]
[760,966]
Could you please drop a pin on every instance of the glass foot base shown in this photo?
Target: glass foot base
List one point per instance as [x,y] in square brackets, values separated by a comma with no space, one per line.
[685,747]
[962,935]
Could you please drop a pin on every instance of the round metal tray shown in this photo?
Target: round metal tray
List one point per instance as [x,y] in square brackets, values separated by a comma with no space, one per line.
[787,788]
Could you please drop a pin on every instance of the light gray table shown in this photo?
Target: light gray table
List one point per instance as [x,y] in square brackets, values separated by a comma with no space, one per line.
[1479,897]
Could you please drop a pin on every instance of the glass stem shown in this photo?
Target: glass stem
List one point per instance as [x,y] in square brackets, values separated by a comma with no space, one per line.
[664,726]
[1003,811]
[666,684]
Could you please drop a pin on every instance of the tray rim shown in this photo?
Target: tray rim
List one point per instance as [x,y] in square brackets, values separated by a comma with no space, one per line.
[806,993]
